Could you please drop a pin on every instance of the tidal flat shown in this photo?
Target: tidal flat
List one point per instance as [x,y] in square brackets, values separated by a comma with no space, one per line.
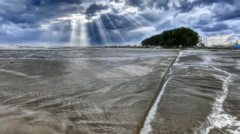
[66,90]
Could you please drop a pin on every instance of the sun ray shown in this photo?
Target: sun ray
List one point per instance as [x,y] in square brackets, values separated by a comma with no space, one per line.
[79,30]
[144,20]
[102,30]
[74,40]
[84,37]
[114,26]
[132,21]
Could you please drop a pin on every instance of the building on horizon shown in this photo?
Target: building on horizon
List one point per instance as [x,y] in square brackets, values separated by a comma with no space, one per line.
[222,40]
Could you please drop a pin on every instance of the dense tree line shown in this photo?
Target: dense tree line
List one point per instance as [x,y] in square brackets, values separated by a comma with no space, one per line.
[183,36]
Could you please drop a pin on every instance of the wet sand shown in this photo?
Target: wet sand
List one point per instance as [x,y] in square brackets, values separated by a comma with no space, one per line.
[201,95]
[109,90]
[90,90]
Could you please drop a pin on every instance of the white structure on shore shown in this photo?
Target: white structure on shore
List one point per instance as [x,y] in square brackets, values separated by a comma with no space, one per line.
[222,40]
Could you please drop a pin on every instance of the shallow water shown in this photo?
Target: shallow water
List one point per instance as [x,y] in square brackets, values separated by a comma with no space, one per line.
[201,95]
[86,90]
[106,90]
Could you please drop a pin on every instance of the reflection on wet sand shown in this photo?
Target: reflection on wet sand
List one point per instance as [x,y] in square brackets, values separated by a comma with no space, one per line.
[196,95]
[79,91]
[104,90]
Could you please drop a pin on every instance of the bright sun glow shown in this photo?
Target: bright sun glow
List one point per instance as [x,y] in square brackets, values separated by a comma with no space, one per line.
[79,30]
[79,33]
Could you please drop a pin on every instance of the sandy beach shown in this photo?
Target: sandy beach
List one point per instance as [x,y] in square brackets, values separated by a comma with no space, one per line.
[119,90]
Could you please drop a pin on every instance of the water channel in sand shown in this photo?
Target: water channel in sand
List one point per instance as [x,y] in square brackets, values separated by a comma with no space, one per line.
[105,90]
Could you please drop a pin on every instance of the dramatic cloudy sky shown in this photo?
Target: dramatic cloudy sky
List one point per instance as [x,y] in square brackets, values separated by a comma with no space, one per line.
[111,22]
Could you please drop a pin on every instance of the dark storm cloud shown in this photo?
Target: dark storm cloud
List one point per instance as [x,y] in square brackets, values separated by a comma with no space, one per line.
[135,3]
[162,4]
[119,21]
[223,13]
[228,12]
[94,8]
[230,15]
[182,5]
[38,20]
[116,1]
[28,16]
[116,26]
[38,10]
[54,2]
[186,6]
[214,28]
[151,4]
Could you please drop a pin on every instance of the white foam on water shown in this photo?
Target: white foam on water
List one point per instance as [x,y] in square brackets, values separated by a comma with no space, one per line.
[237,131]
[147,128]
[219,118]
[179,55]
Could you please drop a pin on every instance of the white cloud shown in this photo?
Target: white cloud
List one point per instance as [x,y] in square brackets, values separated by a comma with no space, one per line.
[143,30]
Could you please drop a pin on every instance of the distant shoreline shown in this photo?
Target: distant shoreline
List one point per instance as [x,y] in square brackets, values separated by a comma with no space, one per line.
[118,47]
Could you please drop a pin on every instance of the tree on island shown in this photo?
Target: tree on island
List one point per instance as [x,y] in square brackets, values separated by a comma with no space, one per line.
[178,37]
